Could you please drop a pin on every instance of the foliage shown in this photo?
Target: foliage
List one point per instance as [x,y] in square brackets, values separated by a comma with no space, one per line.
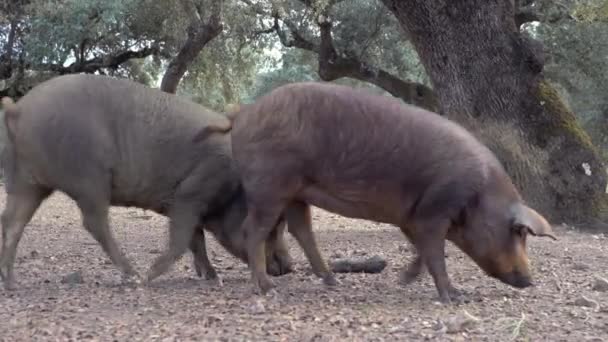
[592,11]
[577,63]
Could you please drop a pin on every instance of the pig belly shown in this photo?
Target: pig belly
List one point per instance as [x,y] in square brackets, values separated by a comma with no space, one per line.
[360,205]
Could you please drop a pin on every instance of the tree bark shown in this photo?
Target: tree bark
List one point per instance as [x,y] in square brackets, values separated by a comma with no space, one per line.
[483,68]
[199,34]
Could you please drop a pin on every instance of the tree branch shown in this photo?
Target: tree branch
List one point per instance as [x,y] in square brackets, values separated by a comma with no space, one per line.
[199,33]
[93,65]
[332,66]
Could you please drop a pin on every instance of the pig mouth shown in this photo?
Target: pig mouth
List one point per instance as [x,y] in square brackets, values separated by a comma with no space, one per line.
[515,279]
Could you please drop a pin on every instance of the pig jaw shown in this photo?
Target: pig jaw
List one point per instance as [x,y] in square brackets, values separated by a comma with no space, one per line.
[515,279]
[501,267]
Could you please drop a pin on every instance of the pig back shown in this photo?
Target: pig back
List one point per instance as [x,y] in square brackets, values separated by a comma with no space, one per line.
[79,124]
[370,151]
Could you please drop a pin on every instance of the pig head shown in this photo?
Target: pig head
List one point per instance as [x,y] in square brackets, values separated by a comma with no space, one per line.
[493,231]
[226,225]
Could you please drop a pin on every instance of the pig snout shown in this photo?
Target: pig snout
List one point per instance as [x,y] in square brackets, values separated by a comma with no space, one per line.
[516,279]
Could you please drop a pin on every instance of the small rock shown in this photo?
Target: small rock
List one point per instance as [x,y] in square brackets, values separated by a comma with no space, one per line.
[458,323]
[257,307]
[73,278]
[155,251]
[34,254]
[594,339]
[580,267]
[337,255]
[586,302]
[397,329]
[600,284]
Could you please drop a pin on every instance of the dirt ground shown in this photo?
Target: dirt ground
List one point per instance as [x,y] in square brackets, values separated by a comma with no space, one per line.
[51,303]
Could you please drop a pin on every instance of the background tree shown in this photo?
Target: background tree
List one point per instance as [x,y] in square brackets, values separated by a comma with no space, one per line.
[482,67]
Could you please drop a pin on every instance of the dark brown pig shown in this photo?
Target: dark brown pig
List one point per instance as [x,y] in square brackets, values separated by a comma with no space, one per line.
[372,157]
[112,142]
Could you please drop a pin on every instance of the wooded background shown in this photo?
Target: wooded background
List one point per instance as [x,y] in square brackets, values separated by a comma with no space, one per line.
[530,78]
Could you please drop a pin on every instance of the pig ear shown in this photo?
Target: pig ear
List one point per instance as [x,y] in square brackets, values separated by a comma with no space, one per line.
[527,218]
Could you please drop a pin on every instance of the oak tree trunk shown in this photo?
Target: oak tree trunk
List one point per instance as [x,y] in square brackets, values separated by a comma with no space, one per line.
[485,71]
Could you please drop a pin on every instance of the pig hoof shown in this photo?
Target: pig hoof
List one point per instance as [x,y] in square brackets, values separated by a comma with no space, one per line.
[407,278]
[454,292]
[9,285]
[134,279]
[198,269]
[272,293]
[330,280]
[409,274]
[217,281]
[445,300]
[211,275]
[264,285]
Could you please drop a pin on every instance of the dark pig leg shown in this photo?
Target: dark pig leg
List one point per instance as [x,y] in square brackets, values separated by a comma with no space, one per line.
[277,253]
[20,207]
[95,221]
[202,264]
[300,226]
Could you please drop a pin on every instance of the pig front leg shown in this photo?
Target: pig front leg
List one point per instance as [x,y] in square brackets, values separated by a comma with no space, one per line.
[429,239]
[202,264]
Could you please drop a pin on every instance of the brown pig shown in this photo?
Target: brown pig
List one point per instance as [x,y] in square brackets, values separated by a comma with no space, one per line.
[113,142]
[372,157]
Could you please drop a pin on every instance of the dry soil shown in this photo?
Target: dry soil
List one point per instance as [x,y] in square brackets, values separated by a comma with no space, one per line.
[68,290]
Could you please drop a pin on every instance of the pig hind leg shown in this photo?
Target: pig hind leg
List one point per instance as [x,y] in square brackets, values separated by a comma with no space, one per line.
[258,225]
[21,205]
[95,210]
[183,222]
[300,226]
[192,200]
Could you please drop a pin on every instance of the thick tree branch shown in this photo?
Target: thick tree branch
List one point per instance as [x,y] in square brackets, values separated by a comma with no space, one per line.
[333,66]
[199,33]
[95,64]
